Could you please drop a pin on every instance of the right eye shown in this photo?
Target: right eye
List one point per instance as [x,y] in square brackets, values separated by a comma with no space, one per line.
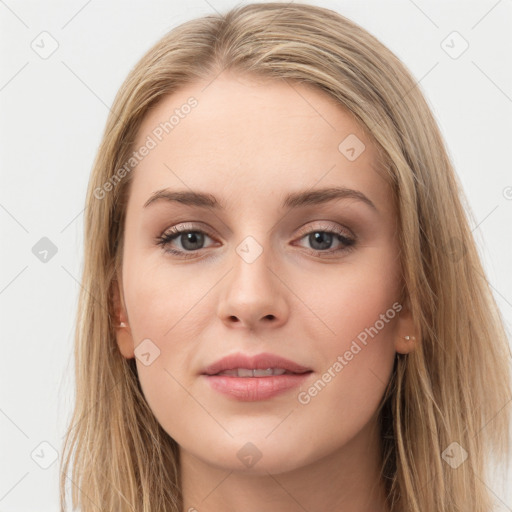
[190,240]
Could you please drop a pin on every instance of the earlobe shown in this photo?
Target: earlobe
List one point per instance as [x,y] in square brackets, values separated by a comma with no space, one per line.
[125,342]
[407,338]
[124,337]
[405,344]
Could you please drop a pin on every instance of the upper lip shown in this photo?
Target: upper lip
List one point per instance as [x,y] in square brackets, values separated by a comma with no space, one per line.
[256,362]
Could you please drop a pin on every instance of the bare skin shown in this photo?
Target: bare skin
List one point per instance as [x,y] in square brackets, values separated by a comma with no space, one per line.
[250,144]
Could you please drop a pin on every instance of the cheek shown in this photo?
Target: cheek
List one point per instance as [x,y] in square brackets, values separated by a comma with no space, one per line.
[160,298]
[166,320]
[351,297]
[357,316]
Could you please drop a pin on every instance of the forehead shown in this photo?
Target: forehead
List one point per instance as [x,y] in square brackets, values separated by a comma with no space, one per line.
[251,139]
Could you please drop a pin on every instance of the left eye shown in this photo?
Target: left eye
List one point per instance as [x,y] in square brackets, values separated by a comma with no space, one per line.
[192,240]
[321,240]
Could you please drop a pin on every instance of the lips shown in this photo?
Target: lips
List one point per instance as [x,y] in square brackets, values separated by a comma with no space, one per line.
[242,365]
[254,378]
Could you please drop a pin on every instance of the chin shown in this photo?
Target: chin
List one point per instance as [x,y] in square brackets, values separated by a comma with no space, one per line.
[256,455]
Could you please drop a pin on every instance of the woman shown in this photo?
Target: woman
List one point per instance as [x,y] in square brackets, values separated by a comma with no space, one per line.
[282,303]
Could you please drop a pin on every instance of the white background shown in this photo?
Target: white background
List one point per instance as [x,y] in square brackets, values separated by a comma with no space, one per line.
[53,113]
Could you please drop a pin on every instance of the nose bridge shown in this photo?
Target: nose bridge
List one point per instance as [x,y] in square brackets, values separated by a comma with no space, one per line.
[252,275]
[252,292]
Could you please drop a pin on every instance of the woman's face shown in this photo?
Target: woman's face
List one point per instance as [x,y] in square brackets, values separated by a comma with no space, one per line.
[275,266]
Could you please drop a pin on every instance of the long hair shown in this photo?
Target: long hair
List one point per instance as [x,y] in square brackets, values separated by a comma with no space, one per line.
[445,416]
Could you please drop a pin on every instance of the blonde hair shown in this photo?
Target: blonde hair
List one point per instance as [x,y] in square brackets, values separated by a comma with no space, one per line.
[452,388]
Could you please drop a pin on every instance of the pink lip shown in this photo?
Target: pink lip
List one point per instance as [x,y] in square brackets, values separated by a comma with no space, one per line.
[258,362]
[251,389]
[255,388]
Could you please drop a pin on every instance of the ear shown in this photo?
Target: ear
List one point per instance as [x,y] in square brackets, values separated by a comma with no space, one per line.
[121,325]
[407,339]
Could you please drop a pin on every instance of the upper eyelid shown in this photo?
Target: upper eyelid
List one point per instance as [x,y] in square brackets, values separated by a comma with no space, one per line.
[328,226]
[198,226]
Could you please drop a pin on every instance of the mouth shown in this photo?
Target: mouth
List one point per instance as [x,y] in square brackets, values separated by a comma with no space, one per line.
[259,365]
[252,378]
[248,373]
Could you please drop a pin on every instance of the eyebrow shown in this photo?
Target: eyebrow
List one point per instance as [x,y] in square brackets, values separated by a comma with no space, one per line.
[291,201]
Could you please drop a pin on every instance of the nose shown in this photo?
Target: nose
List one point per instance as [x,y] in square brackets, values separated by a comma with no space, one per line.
[253,296]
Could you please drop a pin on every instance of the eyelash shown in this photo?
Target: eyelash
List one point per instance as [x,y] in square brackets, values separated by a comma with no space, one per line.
[166,238]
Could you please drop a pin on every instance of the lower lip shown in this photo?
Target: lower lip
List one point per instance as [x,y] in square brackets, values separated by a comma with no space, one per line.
[251,389]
